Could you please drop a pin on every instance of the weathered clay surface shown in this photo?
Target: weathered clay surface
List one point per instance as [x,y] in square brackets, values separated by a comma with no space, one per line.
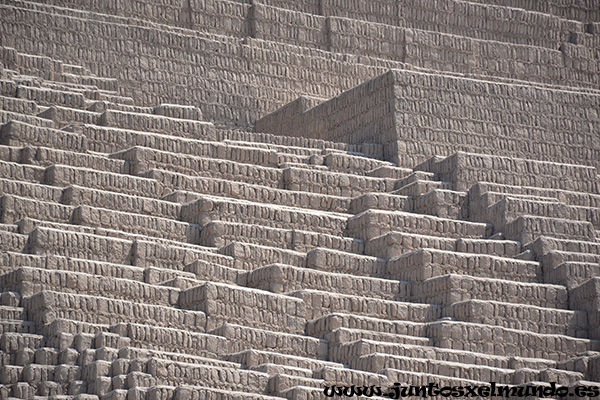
[224,199]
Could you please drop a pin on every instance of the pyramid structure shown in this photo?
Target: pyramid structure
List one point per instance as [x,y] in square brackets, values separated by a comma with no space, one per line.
[259,200]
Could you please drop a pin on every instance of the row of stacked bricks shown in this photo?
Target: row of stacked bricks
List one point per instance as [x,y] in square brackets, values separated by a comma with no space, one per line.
[149,254]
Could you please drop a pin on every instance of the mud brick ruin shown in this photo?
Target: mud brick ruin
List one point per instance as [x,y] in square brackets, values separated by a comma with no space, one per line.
[257,199]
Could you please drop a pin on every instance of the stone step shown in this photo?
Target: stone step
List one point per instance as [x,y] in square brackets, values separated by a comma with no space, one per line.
[571,273]
[248,256]
[18,106]
[416,176]
[220,233]
[566,196]
[62,176]
[103,105]
[298,151]
[240,338]
[380,201]
[479,205]
[64,116]
[10,299]
[330,260]
[28,225]
[209,208]
[346,335]
[178,111]
[150,275]
[333,183]
[584,213]
[360,165]
[13,342]
[393,244]
[29,281]
[423,264]
[342,376]
[321,327]
[143,250]
[528,228]
[128,354]
[168,372]
[12,313]
[31,190]
[281,382]
[15,208]
[276,369]
[110,84]
[554,258]
[15,242]
[109,140]
[465,169]
[483,194]
[61,330]
[389,171]
[138,224]
[175,149]
[205,271]
[157,123]
[354,353]
[45,306]
[452,288]
[254,358]
[63,81]
[142,159]
[10,228]
[17,326]
[127,249]
[492,339]
[8,87]
[584,363]
[386,363]
[45,157]
[20,134]
[169,338]
[47,96]
[90,93]
[38,375]
[102,346]
[280,278]
[83,196]
[20,390]
[7,117]
[585,297]
[194,153]
[373,223]
[521,317]
[22,173]
[442,203]
[419,187]
[114,98]
[544,244]
[224,303]
[303,145]
[480,338]
[311,164]
[248,191]
[10,154]
[322,303]
[509,208]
